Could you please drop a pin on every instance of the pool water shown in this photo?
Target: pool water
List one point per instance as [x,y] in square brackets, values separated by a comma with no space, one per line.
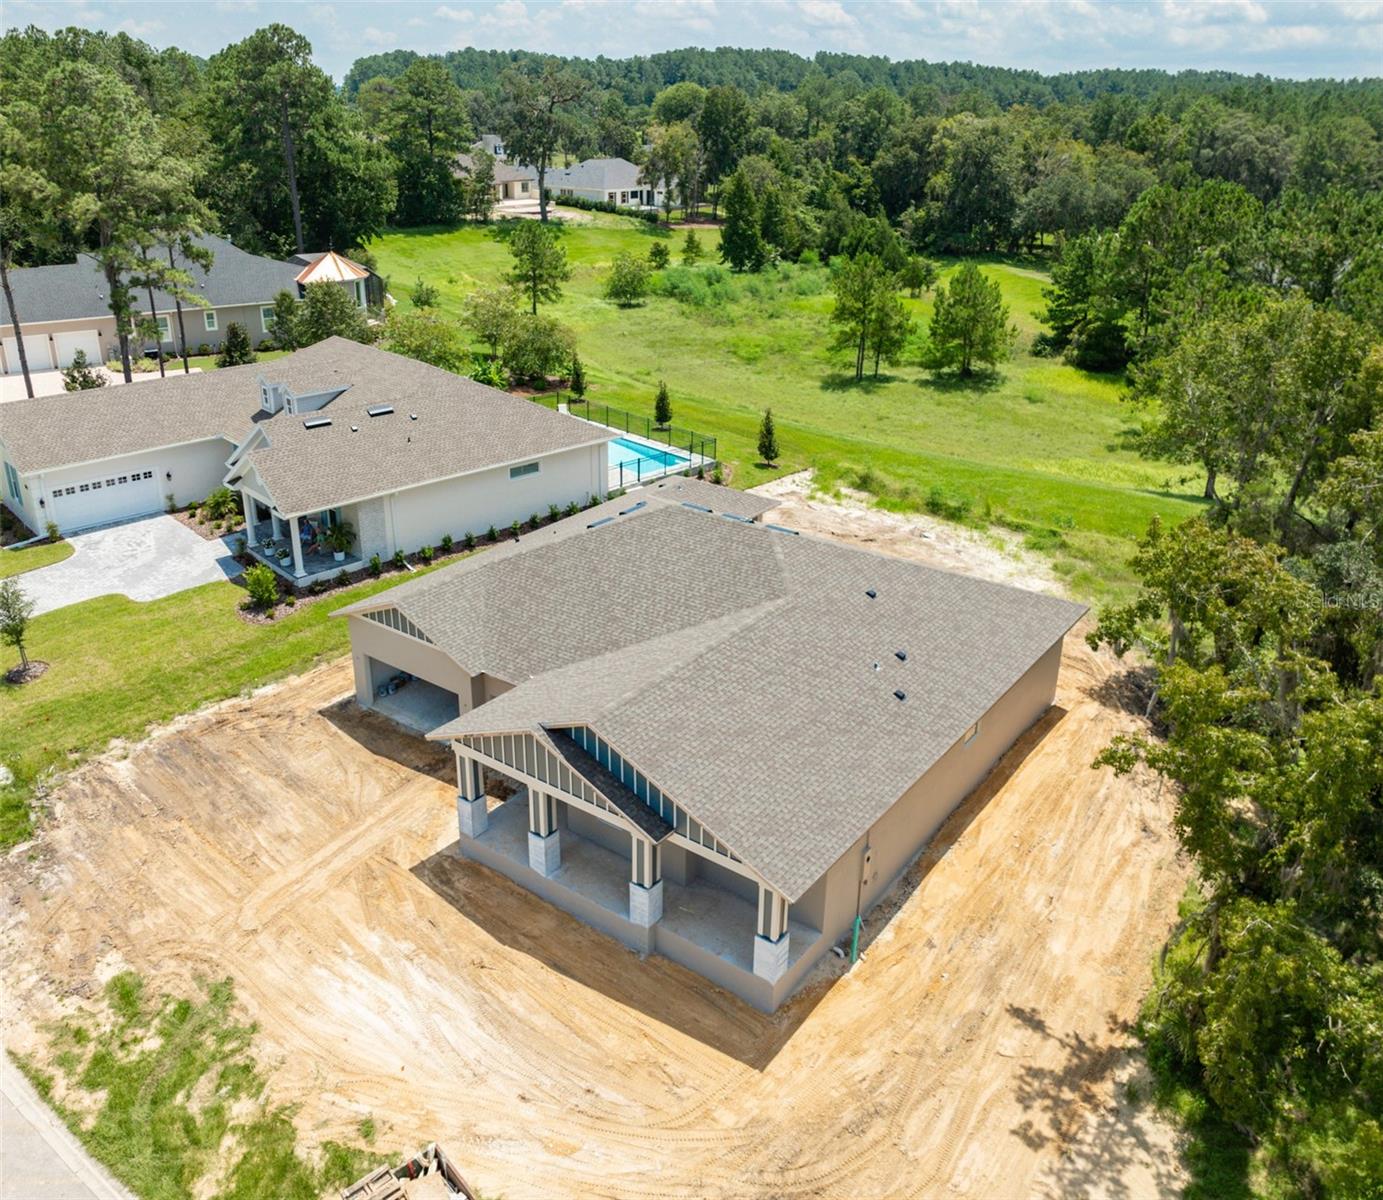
[640,461]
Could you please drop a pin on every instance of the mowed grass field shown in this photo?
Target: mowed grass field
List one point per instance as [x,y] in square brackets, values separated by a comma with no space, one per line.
[1039,446]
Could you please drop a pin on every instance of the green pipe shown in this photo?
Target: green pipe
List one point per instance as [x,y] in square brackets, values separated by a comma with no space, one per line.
[855,941]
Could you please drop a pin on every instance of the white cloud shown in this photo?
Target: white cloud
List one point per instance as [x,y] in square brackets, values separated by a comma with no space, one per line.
[140,29]
[827,13]
[447,13]
[378,37]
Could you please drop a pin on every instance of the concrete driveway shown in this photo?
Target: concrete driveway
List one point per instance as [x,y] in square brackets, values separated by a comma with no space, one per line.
[143,559]
[49,383]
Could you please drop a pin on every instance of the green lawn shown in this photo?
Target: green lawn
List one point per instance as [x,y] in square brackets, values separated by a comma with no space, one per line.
[207,362]
[1041,446]
[117,666]
[30,558]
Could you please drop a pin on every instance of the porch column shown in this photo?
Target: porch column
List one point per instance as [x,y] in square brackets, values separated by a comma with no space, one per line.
[297,548]
[544,839]
[645,882]
[771,938]
[274,521]
[247,504]
[472,815]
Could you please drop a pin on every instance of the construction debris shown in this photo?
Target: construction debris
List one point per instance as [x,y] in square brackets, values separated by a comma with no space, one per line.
[428,1175]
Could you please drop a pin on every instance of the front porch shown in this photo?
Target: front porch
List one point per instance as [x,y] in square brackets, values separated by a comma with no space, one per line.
[280,543]
[653,898]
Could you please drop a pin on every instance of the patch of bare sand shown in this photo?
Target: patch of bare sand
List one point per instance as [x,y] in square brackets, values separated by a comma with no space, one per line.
[996,554]
[305,849]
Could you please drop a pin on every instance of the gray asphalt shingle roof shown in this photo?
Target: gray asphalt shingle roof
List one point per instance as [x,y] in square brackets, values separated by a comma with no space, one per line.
[71,291]
[744,670]
[461,425]
[602,174]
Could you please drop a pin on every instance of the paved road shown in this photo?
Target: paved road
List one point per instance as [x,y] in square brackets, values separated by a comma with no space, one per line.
[39,1158]
[144,559]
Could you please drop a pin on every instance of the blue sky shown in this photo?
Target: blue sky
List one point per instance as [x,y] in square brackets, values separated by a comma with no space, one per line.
[1338,38]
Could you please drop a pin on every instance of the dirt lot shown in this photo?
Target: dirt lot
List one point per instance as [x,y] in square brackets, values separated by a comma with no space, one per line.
[303,847]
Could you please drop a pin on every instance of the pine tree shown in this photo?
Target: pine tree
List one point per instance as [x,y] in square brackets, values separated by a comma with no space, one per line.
[691,249]
[236,349]
[662,407]
[578,378]
[768,439]
[969,323]
[741,242]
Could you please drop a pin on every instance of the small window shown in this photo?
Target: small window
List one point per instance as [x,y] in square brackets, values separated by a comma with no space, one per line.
[266,318]
[123,479]
[148,474]
[525,469]
[165,334]
[84,487]
[209,319]
[972,733]
[12,479]
[110,483]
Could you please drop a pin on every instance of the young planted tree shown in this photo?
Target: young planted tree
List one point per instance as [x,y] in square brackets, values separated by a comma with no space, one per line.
[627,282]
[540,263]
[427,336]
[285,322]
[691,249]
[577,382]
[424,294]
[658,256]
[534,117]
[15,611]
[662,406]
[236,349]
[918,275]
[741,239]
[889,329]
[969,324]
[81,376]
[768,439]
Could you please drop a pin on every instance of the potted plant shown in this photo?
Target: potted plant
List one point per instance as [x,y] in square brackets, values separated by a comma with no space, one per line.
[340,537]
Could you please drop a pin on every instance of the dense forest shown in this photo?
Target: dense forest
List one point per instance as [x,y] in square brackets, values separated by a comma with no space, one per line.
[1217,238]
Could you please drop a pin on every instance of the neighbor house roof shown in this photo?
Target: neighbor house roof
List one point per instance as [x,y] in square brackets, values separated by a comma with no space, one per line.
[504,172]
[71,291]
[442,425]
[330,267]
[708,495]
[745,670]
[460,425]
[606,174]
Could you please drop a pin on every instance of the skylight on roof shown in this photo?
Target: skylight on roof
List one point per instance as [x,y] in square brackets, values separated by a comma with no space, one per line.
[316,422]
[379,410]
[624,512]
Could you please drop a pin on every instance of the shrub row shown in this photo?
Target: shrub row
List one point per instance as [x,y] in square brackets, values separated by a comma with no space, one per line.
[650,215]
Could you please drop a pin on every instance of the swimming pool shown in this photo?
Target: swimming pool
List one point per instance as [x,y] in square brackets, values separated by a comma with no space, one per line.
[631,461]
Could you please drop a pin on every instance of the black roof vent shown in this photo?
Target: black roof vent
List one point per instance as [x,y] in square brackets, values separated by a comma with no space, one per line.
[871,593]
[602,521]
[901,695]
[412,416]
[379,410]
[901,655]
[316,422]
[624,512]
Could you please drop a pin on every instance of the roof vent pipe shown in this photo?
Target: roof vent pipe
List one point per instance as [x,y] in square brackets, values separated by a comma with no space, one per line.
[871,593]
[901,695]
[901,655]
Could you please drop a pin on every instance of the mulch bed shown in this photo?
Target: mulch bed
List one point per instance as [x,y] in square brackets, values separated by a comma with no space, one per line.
[19,675]
[204,531]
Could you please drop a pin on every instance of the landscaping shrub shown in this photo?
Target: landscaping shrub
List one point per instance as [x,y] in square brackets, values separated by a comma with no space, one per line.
[81,376]
[650,216]
[943,504]
[468,542]
[262,585]
[658,256]
[236,350]
[447,542]
[398,559]
[514,529]
[424,294]
[222,504]
[573,508]
[492,534]
[553,512]
[425,554]
[627,282]
[53,532]
[376,567]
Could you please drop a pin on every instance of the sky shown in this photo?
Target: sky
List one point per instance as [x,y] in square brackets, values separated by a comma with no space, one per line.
[1291,38]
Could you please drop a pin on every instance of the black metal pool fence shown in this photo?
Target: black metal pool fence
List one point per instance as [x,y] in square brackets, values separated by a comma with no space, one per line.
[699,448]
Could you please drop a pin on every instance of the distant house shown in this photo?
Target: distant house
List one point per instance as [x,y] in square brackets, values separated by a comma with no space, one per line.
[66,308]
[492,143]
[512,182]
[403,452]
[613,179]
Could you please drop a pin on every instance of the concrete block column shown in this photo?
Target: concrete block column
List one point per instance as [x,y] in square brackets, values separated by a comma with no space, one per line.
[544,839]
[472,809]
[771,936]
[645,883]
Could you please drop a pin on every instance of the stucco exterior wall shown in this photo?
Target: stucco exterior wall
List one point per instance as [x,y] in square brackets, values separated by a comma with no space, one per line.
[371,520]
[371,640]
[472,503]
[33,330]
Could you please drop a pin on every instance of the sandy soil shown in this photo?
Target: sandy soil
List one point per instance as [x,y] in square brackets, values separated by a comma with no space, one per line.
[978,1049]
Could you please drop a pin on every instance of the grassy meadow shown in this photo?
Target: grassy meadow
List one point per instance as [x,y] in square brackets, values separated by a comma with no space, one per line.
[1039,446]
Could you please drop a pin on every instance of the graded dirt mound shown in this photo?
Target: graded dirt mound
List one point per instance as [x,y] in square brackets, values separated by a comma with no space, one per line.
[305,849]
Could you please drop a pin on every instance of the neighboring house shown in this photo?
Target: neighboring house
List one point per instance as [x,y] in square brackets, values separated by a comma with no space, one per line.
[492,143]
[326,266]
[404,452]
[66,308]
[723,741]
[612,179]
[512,182]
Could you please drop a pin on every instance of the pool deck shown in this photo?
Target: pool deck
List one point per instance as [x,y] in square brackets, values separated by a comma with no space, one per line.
[630,469]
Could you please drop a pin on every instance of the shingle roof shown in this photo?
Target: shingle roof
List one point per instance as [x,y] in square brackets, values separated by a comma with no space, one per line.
[600,173]
[461,425]
[744,670]
[709,495]
[442,425]
[505,172]
[71,291]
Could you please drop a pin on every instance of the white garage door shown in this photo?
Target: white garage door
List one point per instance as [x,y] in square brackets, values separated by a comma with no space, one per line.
[35,349]
[109,498]
[68,344]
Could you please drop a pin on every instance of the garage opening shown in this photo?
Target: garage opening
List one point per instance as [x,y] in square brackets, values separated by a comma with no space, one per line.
[413,702]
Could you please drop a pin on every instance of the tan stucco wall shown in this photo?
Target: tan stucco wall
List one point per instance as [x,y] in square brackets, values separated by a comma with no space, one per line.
[369,639]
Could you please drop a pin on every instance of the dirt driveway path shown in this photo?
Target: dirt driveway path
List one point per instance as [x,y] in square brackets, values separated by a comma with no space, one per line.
[305,849]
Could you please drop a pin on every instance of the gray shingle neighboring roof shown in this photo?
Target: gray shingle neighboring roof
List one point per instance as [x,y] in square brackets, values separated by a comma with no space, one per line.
[714,496]
[603,174]
[734,665]
[72,291]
